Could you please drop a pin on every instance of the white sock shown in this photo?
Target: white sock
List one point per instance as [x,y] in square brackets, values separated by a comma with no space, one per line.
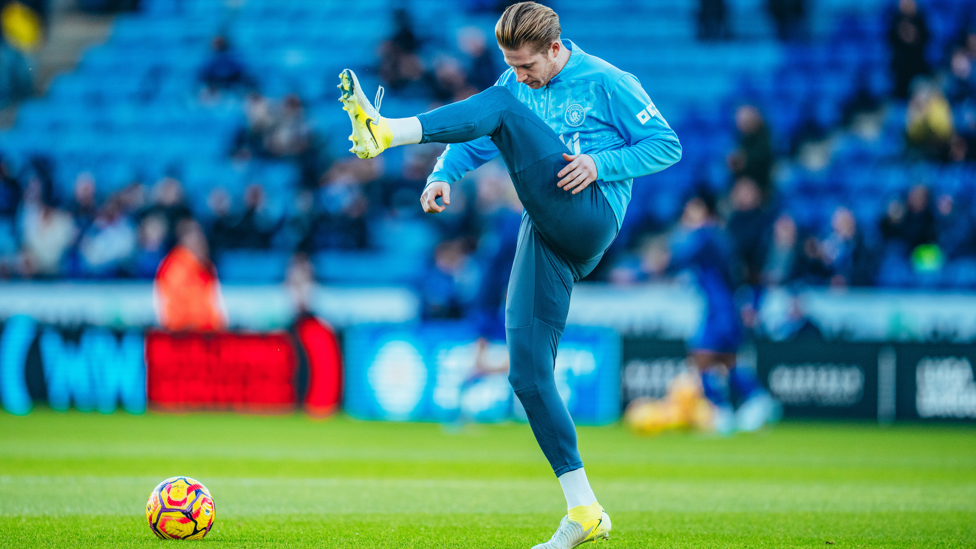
[406,131]
[576,488]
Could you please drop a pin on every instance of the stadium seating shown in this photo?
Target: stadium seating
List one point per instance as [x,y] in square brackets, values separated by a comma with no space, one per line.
[130,110]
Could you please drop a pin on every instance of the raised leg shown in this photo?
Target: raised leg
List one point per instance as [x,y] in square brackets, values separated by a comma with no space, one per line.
[580,226]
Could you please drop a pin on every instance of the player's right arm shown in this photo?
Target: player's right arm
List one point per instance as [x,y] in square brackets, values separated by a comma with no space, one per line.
[451,166]
[433,191]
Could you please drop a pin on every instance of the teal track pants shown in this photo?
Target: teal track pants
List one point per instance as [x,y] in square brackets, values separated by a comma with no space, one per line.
[561,240]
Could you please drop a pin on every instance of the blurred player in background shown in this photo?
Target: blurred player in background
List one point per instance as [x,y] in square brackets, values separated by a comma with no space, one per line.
[562,120]
[702,246]
[186,289]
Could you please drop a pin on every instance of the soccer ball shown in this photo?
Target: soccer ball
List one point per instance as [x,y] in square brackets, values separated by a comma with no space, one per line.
[180,508]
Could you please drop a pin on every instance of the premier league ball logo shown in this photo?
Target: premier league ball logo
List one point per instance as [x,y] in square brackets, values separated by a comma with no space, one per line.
[575,115]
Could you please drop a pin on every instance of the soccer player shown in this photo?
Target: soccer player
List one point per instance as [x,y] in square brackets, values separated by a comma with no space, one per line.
[703,247]
[573,131]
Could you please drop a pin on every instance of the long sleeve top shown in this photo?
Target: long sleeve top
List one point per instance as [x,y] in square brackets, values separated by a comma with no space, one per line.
[596,109]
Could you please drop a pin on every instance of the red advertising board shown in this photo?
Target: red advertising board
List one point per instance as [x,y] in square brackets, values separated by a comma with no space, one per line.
[251,372]
[221,371]
[321,347]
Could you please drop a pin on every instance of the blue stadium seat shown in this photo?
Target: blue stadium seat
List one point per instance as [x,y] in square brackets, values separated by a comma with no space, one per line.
[404,236]
[130,103]
[960,274]
[252,266]
[368,267]
[895,272]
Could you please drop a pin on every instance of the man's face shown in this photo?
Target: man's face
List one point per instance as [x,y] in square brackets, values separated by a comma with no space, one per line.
[532,68]
[695,214]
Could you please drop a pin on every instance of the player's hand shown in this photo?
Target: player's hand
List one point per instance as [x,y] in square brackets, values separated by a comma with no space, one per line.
[428,200]
[578,175]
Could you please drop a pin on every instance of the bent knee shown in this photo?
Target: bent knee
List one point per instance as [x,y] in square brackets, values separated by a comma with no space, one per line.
[532,380]
[501,93]
[520,381]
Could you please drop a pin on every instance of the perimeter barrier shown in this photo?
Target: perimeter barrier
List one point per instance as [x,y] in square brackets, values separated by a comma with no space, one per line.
[443,372]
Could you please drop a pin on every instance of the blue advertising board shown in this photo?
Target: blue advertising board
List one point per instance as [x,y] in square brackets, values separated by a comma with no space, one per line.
[440,372]
[88,367]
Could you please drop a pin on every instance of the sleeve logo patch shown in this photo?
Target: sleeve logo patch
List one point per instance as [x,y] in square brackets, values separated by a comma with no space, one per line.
[647,114]
[575,115]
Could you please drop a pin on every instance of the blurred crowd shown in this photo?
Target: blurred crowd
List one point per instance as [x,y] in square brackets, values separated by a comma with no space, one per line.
[127,233]
[917,229]
[89,234]
[789,16]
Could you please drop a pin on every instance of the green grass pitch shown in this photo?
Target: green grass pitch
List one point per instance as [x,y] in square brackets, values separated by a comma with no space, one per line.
[82,480]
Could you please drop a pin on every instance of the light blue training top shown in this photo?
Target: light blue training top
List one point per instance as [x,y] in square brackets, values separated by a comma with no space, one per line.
[596,109]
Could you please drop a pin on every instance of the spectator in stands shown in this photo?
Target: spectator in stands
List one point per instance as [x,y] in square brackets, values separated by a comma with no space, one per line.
[482,71]
[919,227]
[451,285]
[224,71]
[928,124]
[747,226]
[960,83]
[300,283]
[251,140]
[449,83]
[221,233]
[713,23]
[298,228]
[186,286]
[342,206]
[150,246]
[955,229]
[908,37]
[289,134]
[909,224]
[960,90]
[47,232]
[754,155]
[255,228]
[400,67]
[782,255]
[132,198]
[168,201]
[891,227]
[107,245]
[811,267]
[845,254]
[810,144]
[962,149]
[790,17]
[39,180]
[861,102]
[83,206]
[404,36]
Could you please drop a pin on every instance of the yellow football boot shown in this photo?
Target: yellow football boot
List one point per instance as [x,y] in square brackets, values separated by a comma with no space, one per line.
[572,533]
[371,134]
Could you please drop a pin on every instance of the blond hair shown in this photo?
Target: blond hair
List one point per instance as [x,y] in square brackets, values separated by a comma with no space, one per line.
[527,24]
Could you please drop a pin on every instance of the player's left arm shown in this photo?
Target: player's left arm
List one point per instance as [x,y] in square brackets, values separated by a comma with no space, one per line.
[651,143]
